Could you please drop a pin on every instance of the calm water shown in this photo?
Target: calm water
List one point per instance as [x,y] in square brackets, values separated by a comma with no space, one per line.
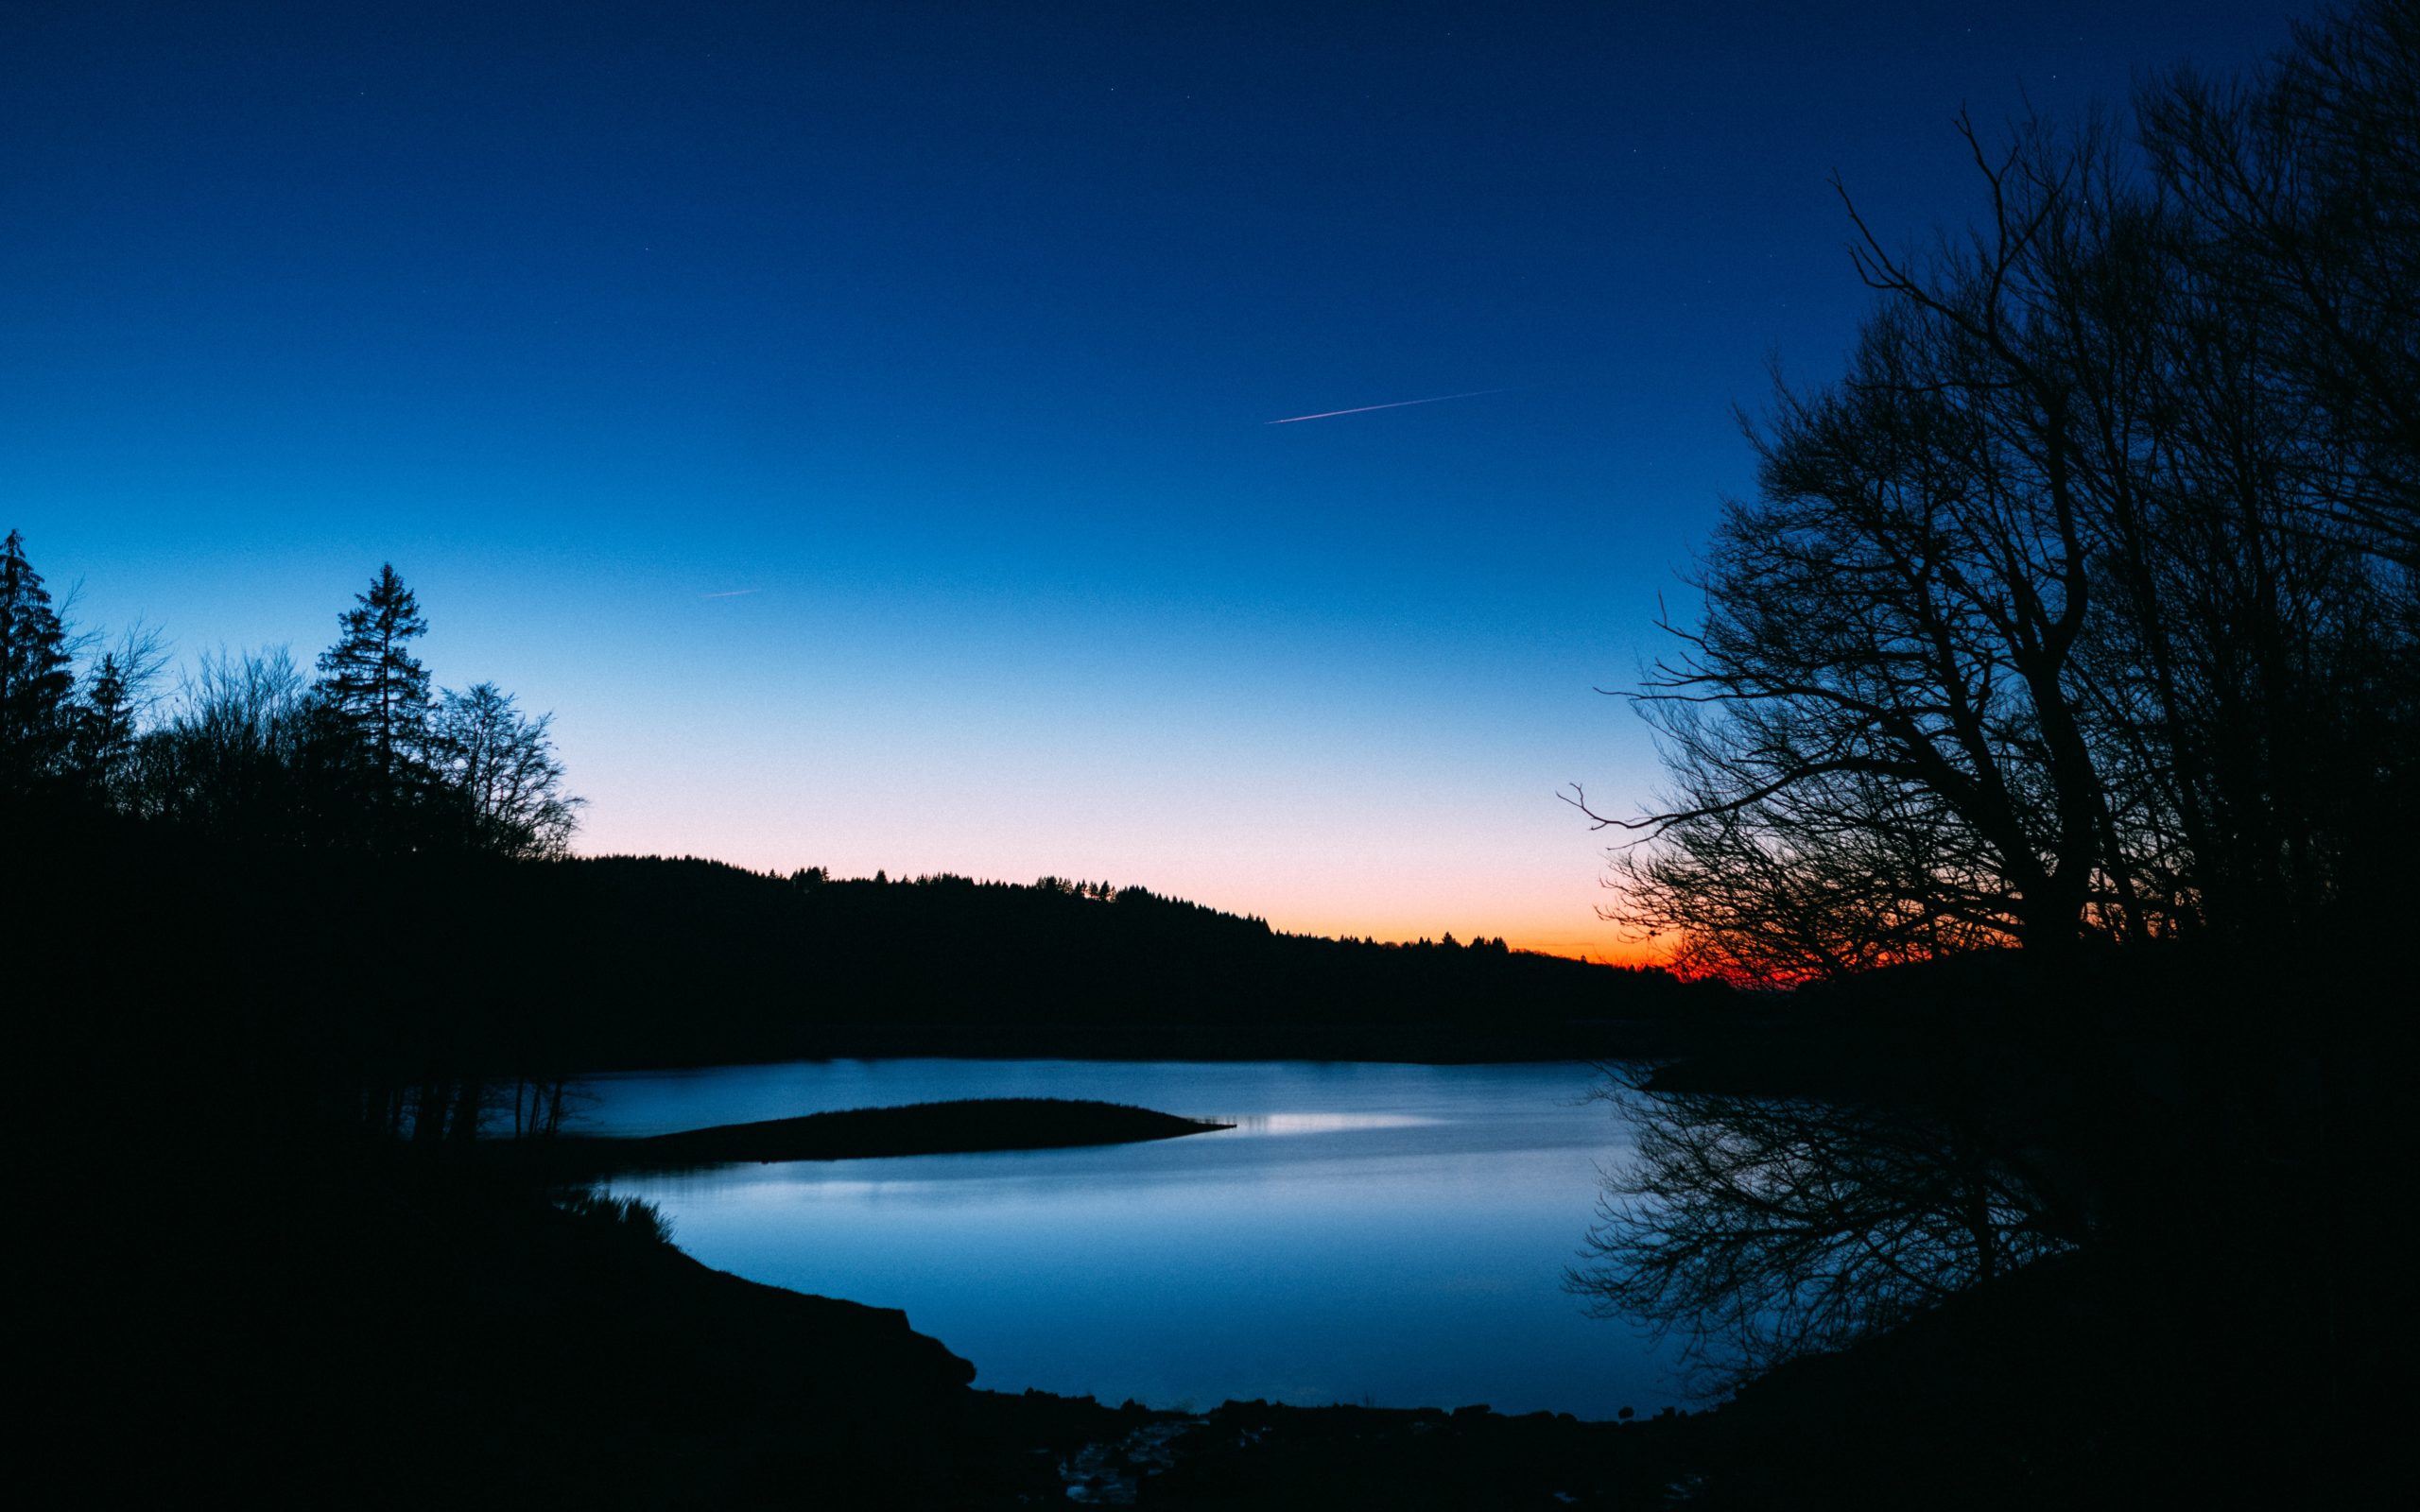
[1381,1232]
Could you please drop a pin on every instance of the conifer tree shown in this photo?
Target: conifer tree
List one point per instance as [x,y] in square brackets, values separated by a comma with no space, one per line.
[104,729]
[372,683]
[34,676]
[102,732]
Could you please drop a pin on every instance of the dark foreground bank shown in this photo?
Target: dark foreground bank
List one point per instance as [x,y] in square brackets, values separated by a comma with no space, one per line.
[238,1278]
[416,1334]
[401,1333]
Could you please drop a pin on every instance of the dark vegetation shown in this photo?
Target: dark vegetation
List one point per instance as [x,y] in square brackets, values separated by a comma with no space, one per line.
[2051,724]
[2050,730]
[289,959]
[2108,1237]
[268,1253]
[2081,610]
[1254,1455]
[456,965]
[765,967]
[919,1128]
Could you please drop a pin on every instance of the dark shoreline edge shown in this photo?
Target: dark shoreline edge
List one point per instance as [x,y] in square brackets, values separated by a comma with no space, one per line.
[964,1127]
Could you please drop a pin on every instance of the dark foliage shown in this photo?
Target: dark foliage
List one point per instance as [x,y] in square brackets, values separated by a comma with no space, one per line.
[35,673]
[2082,607]
[634,1219]
[245,1270]
[765,967]
[2052,719]
[2006,1232]
[371,684]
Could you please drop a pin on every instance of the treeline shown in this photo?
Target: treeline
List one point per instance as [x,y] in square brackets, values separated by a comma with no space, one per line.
[276,876]
[360,885]
[2082,607]
[367,756]
[436,996]
[698,960]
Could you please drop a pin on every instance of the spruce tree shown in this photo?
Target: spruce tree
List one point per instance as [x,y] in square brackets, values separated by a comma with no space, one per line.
[371,683]
[103,718]
[34,676]
[103,730]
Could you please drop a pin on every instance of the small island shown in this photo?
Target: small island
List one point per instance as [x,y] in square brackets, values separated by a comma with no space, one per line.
[962,1127]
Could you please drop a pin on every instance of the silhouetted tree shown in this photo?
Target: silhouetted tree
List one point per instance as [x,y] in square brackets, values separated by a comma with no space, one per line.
[2300,189]
[373,683]
[35,677]
[107,717]
[2080,608]
[543,1103]
[2303,184]
[499,766]
[249,753]
[105,727]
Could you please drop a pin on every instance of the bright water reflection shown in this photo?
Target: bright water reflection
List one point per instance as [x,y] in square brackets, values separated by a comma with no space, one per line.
[1388,1232]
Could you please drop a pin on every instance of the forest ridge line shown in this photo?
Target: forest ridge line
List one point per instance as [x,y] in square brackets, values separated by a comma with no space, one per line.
[368,756]
[367,792]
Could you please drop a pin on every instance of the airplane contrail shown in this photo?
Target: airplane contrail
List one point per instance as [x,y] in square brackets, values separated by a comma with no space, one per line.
[1331,414]
[735,592]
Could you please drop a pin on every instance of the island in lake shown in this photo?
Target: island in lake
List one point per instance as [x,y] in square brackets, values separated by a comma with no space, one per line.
[964,1127]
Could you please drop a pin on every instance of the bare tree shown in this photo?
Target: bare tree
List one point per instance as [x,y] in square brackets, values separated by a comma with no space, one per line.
[500,766]
[2304,183]
[2076,609]
[1881,697]
[226,755]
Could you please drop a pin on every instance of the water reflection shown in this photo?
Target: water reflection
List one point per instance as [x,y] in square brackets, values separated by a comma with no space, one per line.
[1251,1124]
[1759,1229]
[1392,1232]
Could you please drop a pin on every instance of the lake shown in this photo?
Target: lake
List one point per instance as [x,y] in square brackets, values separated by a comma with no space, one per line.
[1393,1234]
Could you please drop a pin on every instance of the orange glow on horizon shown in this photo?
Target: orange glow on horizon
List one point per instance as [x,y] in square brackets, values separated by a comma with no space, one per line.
[1589,941]
[1609,952]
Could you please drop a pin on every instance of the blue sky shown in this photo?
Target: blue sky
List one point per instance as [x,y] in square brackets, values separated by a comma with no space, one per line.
[851,420]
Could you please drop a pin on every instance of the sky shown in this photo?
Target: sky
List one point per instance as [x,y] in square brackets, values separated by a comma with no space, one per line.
[853,423]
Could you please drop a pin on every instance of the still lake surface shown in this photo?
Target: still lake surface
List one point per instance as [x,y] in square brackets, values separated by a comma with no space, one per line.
[1389,1233]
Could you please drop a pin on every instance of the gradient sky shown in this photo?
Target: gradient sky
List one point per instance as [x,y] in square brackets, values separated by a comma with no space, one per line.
[851,422]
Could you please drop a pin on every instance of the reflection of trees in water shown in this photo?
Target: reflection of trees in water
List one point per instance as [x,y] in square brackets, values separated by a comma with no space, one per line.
[1762,1228]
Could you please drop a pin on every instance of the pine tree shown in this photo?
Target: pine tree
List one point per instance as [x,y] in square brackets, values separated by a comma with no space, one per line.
[103,718]
[34,676]
[104,726]
[371,682]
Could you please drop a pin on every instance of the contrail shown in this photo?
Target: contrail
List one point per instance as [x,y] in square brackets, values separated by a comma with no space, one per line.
[736,593]
[1331,414]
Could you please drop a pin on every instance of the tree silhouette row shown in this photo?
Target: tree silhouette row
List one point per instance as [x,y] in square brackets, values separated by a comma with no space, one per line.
[365,757]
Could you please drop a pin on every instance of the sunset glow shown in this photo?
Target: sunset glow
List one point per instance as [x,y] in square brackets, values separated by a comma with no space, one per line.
[847,510]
